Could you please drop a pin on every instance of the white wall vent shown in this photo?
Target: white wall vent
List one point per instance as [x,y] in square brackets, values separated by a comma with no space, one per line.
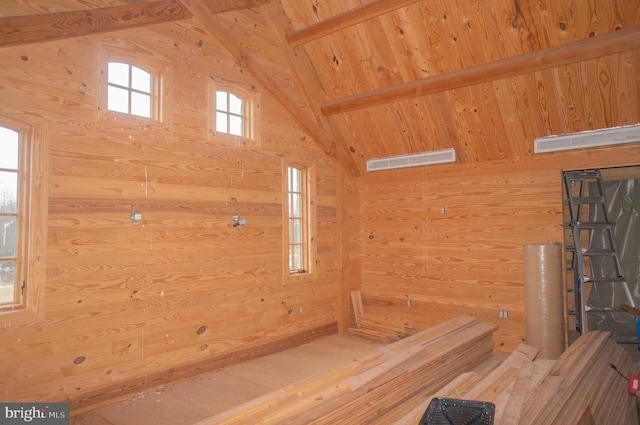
[413,160]
[588,139]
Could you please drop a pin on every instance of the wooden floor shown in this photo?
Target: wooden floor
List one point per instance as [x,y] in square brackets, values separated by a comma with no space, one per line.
[188,402]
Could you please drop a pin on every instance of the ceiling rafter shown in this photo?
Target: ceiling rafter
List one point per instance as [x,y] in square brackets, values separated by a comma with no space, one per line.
[552,57]
[345,19]
[29,29]
[209,22]
[308,81]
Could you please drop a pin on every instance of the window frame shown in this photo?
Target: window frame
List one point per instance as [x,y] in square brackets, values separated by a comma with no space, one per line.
[228,114]
[31,234]
[309,224]
[251,112]
[161,86]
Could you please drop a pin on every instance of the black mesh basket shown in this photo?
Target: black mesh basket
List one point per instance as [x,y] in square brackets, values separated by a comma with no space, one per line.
[451,411]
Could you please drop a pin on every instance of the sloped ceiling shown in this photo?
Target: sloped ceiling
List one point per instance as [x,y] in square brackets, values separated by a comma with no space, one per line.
[374,78]
[494,120]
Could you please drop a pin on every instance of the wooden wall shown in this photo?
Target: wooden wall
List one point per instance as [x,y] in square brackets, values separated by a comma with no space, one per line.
[133,305]
[450,238]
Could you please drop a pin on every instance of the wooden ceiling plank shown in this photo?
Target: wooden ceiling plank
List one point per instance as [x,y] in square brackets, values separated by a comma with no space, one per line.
[308,81]
[29,29]
[566,54]
[207,18]
[345,19]
[220,6]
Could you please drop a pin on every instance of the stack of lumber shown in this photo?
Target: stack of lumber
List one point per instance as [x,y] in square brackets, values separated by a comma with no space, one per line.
[396,384]
[501,386]
[579,388]
[582,387]
[361,393]
[377,327]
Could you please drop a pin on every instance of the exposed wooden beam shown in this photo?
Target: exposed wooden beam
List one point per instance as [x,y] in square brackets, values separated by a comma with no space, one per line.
[307,79]
[346,19]
[210,24]
[552,57]
[28,29]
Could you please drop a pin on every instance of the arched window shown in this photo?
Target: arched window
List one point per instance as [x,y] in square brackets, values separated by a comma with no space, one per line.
[129,90]
[230,113]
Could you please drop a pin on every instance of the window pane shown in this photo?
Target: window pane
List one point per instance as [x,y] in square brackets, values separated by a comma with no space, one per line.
[235,125]
[9,148]
[7,281]
[295,205]
[294,179]
[118,74]
[295,257]
[295,231]
[221,122]
[141,104]
[8,241]
[140,79]
[118,100]
[8,192]
[290,205]
[221,101]
[235,104]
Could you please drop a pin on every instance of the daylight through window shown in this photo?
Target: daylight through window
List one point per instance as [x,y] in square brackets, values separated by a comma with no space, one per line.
[230,113]
[9,215]
[298,220]
[129,89]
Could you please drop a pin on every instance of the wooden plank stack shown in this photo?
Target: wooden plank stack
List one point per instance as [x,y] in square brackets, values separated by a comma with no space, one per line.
[579,388]
[582,384]
[419,364]
[396,384]
[380,328]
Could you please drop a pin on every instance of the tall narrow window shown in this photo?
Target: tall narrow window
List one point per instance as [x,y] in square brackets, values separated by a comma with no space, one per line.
[10,219]
[230,113]
[24,149]
[296,221]
[129,89]
[300,219]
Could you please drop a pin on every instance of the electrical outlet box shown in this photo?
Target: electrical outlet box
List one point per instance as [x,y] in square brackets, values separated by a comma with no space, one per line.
[503,314]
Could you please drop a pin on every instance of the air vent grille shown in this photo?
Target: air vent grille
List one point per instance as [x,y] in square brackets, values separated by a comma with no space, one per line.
[413,160]
[588,139]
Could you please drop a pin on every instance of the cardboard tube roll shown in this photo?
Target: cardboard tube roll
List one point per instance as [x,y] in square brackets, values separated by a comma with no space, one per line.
[544,301]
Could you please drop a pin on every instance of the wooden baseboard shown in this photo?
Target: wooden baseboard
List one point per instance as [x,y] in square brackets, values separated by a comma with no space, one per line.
[107,395]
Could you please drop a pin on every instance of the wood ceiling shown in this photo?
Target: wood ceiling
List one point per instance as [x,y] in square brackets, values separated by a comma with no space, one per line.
[373,78]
